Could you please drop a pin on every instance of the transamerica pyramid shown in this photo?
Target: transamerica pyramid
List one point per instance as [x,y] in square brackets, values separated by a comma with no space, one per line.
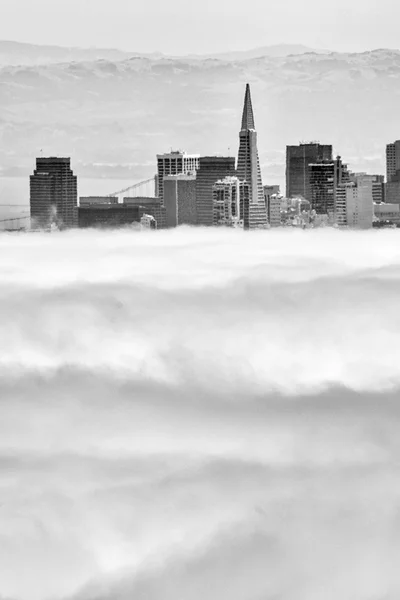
[248,166]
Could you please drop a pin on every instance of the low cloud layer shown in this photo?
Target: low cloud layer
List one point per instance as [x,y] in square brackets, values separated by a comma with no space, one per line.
[199,413]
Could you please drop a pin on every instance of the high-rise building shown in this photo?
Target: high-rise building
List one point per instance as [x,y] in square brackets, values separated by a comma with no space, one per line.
[274,210]
[298,158]
[53,194]
[230,202]
[377,182]
[180,200]
[248,166]
[269,192]
[392,160]
[392,189]
[325,177]
[211,169]
[354,204]
[174,163]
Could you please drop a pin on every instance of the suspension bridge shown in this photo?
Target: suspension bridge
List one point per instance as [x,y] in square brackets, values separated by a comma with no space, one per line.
[146,189]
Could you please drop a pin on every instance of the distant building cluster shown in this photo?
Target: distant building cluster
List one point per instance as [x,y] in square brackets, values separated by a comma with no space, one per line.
[220,191]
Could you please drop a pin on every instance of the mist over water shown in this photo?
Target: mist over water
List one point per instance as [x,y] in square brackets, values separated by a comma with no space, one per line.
[197,414]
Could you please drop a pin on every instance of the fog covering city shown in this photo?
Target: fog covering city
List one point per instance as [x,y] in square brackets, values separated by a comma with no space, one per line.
[199,413]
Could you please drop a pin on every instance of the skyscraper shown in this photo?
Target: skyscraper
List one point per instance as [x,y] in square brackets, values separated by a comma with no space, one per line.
[211,169]
[248,166]
[392,160]
[53,194]
[325,177]
[174,163]
[180,200]
[354,204]
[298,158]
[230,202]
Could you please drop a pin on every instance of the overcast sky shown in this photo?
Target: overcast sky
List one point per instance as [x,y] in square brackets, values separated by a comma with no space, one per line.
[179,26]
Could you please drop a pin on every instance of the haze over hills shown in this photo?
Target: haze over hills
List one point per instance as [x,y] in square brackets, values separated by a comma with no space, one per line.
[18,53]
[112,117]
[278,50]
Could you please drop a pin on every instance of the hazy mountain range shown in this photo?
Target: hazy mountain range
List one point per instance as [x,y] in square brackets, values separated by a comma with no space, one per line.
[113,116]
[17,53]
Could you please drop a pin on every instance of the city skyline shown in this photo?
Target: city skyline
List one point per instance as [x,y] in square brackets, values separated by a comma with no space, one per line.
[320,190]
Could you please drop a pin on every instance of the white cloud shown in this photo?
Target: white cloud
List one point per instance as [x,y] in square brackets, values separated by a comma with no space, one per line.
[195,413]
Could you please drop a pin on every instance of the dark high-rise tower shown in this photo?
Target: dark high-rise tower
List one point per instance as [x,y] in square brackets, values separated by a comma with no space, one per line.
[248,167]
[53,194]
[211,169]
[298,158]
[392,160]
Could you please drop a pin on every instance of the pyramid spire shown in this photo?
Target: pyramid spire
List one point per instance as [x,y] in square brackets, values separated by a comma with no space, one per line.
[248,116]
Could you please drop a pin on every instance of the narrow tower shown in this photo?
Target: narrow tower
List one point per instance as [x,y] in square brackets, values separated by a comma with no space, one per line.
[248,168]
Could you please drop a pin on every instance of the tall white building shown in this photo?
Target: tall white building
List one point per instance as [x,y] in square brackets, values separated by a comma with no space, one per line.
[175,163]
[354,204]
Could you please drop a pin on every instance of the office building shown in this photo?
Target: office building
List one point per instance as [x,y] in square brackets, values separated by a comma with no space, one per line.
[53,194]
[230,202]
[150,206]
[211,169]
[174,163]
[298,159]
[248,167]
[392,160]
[130,212]
[354,204]
[108,216]
[387,212]
[273,191]
[324,178]
[377,182]
[378,188]
[392,189]
[180,200]
[274,210]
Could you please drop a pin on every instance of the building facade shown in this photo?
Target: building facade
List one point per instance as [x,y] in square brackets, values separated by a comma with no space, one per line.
[230,202]
[248,167]
[211,169]
[180,200]
[387,212]
[269,191]
[392,160]
[174,163]
[53,194]
[298,159]
[325,177]
[150,206]
[274,210]
[354,204]
[130,212]
[108,216]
